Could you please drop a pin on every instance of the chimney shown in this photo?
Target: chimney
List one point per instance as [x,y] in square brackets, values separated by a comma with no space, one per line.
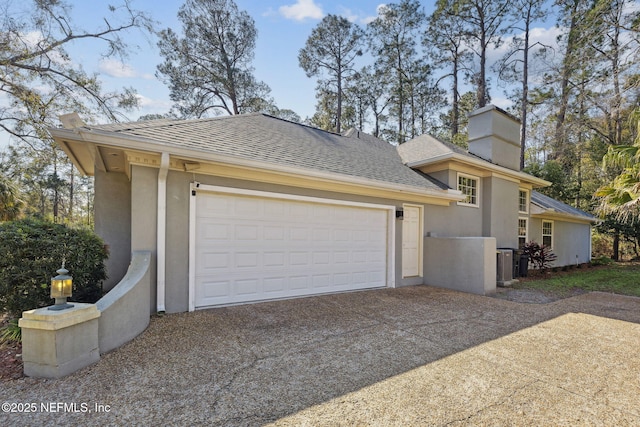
[494,135]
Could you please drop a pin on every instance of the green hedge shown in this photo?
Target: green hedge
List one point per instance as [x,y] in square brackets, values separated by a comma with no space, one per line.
[32,250]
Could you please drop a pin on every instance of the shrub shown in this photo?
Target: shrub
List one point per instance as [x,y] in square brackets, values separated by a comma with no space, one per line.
[601,260]
[540,256]
[30,253]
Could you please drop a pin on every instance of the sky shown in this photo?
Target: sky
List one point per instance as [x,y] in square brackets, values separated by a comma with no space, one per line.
[283,28]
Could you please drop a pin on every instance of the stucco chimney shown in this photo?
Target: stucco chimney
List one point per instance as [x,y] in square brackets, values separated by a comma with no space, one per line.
[494,135]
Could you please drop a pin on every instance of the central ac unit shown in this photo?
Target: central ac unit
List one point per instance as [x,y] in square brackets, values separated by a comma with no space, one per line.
[505,266]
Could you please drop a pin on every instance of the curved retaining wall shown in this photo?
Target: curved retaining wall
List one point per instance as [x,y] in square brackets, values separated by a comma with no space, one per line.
[124,310]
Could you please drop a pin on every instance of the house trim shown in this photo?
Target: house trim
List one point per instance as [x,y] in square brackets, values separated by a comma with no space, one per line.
[195,187]
[526,231]
[478,183]
[527,201]
[553,230]
[430,165]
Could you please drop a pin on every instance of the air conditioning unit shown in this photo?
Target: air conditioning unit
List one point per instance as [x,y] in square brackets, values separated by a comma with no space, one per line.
[505,267]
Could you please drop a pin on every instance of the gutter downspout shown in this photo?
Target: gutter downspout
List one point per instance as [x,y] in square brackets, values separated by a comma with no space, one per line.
[161,256]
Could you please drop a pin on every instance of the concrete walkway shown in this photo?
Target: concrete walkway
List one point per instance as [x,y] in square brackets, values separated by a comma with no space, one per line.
[410,356]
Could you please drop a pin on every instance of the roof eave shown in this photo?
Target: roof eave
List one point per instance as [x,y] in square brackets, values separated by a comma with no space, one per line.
[554,214]
[535,181]
[107,138]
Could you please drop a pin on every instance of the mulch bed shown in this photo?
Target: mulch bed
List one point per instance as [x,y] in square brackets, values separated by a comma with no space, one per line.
[11,361]
[10,357]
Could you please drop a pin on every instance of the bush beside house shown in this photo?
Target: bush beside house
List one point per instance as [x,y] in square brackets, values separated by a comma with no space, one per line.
[32,250]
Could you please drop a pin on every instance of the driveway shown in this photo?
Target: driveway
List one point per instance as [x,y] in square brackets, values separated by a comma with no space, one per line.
[409,356]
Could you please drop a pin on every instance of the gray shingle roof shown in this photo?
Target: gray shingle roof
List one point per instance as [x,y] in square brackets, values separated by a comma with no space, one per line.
[268,139]
[426,147]
[547,202]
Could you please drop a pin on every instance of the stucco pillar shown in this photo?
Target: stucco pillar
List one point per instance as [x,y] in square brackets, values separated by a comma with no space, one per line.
[58,343]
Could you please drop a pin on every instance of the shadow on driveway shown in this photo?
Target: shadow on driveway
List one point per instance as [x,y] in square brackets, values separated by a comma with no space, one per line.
[408,356]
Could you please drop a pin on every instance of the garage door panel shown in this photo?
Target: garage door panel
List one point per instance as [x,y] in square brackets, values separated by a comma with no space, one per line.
[253,248]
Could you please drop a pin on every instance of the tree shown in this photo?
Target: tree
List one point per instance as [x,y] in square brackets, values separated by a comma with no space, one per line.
[10,204]
[514,66]
[446,48]
[38,77]
[484,27]
[208,69]
[392,38]
[622,195]
[331,49]
[372,87]
[39,80]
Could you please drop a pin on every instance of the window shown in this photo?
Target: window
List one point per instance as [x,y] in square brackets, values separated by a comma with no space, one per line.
[522,232]
[468,185]
[547,233]
[523,202]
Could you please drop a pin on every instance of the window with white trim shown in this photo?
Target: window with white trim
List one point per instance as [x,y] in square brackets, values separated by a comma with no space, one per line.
[547,233]
[523,201]
[522,232]
[469,186]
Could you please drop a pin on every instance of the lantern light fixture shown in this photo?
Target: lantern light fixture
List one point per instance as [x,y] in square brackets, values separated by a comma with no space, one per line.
[61,289]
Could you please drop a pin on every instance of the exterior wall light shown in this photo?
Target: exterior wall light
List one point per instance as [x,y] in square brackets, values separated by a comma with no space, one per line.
[61,288]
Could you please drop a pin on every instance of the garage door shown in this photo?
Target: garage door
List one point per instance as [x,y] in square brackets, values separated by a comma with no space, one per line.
[261,246]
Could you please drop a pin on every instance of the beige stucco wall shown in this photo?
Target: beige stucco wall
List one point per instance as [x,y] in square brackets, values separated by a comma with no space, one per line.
[144,213]
[465,264]
[453,220]
[124,311]
[571,240]
[112,207]
[500,211]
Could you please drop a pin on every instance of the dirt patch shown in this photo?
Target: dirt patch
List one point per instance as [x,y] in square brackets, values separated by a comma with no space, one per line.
[11,361]
[10,356]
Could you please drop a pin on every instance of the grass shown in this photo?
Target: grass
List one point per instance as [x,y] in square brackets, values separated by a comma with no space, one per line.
[618,278]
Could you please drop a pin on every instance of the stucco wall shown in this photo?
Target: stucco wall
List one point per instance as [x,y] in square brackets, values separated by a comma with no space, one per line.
[571,240]
[112,207]
[144,202]
[124,311]
[465,264]
[453,220]
[500,211]
[177,268]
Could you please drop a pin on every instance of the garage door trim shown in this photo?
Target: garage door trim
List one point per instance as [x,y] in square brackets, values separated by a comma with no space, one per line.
[197,187]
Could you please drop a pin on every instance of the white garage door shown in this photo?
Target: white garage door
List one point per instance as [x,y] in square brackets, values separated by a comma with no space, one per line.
[260,247]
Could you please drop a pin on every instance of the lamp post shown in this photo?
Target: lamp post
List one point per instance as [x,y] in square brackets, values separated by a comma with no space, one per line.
[61,287]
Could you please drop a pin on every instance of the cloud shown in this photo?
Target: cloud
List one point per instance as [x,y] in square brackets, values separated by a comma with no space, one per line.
[301,10]
[152,106]
[348,14]
[379,9]
[118,69]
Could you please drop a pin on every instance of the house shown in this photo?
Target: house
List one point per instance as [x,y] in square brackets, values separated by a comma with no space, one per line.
[249,208]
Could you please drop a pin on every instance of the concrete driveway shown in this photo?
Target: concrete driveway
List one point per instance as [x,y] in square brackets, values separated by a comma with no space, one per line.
[410,356]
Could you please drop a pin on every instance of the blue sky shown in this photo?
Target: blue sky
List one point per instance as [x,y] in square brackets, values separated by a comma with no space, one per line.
[283,27]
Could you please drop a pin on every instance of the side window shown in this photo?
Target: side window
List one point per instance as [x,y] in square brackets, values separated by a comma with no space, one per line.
[523,201]
[547,233]
[522,232]
[469,186]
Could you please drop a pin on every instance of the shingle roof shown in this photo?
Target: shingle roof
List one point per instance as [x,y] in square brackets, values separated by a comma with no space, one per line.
[426,147]
[548,203]
[268,139]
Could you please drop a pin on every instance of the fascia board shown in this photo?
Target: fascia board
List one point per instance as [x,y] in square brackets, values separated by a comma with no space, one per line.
[544,213]
[148,145]
[483,164]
